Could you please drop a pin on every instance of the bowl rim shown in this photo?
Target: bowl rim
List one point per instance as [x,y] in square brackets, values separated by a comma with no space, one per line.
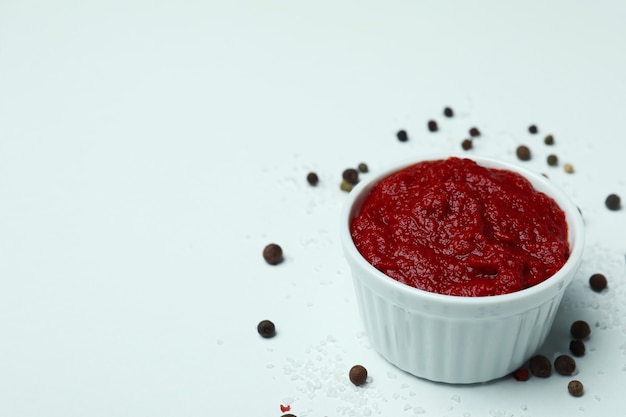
[559,280]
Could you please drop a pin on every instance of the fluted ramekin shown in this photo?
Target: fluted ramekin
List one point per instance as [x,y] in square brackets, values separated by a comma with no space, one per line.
[457,339]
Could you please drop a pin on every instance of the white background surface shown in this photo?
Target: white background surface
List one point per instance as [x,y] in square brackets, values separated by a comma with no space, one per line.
[149,150]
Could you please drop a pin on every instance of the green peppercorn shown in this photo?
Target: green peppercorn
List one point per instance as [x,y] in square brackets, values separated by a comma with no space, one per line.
[553,160]
[523,152]
[346,186]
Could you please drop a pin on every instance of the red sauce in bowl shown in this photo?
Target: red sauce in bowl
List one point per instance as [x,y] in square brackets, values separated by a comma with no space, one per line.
[454,227]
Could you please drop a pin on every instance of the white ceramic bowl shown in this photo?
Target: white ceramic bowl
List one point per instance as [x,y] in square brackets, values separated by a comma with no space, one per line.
[458,339]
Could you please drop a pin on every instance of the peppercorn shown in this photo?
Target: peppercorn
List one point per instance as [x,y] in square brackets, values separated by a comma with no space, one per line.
[312,178]
[613,202]
[577,347]
[273,254]
[432,126]
[266,328]
[580,329]
[597,282]
[553,160]
[448,112]
[540,366]
[521,374]
[467,144]
[346,186]
[363,167]
[575,388]
[402,136]
[549,140]
[351,175]
[565,365]
[523,152]
[532,129]
[474,132]
[358,375]
[288,415]
[569,168]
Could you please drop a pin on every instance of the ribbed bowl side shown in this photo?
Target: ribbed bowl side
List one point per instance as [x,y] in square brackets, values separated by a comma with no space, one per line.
[453,350]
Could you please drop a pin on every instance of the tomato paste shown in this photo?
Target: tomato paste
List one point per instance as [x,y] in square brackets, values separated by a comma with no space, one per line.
[454,227]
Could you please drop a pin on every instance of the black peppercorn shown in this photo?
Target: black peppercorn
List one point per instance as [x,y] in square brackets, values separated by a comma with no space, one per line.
[613,202]
[523,152]
[312,178]
[474,132]
[266,328]
[448,112]
[402,136]
[351,175]
[532,129]
[363,167]
[580,329]
[540,366]
[597,282]
[358,375]
[575,388]
[432,126]
[273,254]
[549,140]
[467,144]
[553,160]
[577,347]
[565,365]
